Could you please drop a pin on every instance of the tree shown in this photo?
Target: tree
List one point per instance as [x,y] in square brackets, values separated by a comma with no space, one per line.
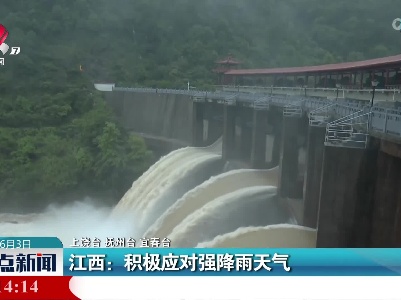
[58,137]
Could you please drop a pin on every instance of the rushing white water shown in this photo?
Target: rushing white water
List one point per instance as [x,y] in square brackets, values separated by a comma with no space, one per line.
[208,191]
[254,206]
[149,190]
[76,220]
[171,189]
[172,174]
[144,184]
[272,236]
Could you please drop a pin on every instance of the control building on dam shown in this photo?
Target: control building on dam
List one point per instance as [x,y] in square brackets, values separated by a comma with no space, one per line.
[338,148]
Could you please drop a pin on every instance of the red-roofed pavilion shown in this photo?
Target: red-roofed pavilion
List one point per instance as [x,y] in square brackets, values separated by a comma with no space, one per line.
[223,66]
[356,75]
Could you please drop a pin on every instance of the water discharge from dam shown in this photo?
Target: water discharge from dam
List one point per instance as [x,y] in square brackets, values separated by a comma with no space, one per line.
[166,181]
[254,206]
[272,236]
[208,191]
[153,182]
[79,219]
[185,197]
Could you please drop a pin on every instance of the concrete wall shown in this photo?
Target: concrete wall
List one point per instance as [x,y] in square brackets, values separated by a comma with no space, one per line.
[360,199]
[162,146]
[346,197]
[380,95]
[313,174]
[163,115]
[386,216]
[294,136]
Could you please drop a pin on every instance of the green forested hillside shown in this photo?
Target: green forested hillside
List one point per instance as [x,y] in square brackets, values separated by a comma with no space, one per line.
[57,137]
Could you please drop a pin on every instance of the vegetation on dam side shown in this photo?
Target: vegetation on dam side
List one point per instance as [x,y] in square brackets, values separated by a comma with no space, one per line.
[57,137]
[60,143]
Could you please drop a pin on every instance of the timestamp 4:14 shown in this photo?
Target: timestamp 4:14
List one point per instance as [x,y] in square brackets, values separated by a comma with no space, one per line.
[20,287]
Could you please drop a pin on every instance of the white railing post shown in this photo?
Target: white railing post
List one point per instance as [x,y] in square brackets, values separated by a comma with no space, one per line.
[385,122]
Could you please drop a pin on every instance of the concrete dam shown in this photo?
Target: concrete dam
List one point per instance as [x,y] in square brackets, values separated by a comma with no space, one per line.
[337,162]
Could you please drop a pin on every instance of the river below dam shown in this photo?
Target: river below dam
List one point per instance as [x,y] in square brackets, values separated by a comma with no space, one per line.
[186,196]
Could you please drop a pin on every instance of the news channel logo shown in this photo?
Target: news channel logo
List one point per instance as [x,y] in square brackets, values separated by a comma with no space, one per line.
[397,24]
[4,48]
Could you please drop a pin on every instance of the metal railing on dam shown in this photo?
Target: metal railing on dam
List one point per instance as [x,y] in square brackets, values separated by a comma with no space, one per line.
[341,92]
[383,120]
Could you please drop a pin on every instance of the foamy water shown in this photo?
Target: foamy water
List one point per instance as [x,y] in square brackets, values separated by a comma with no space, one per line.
[167,194]
[164,178]
[77,220]
[161,176]
[208,191]
[272,236]
[144,184]
[252,206]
